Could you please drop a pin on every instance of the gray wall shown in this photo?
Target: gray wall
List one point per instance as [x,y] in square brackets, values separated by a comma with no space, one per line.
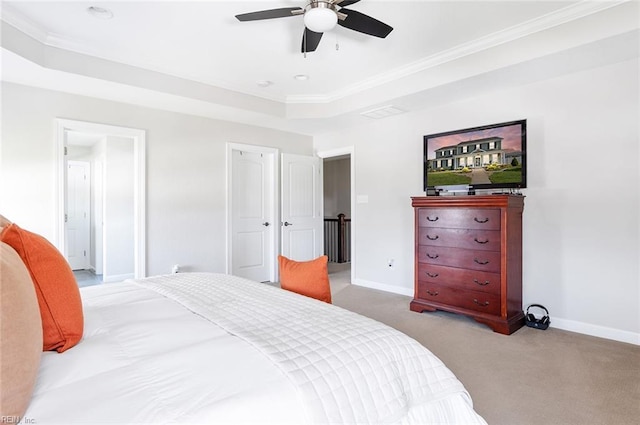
[581,215]
[185,170]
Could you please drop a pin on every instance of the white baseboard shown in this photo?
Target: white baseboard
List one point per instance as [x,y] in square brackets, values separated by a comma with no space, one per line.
[564,324]
[94,269]
[118,277]
[384,287]
[596,330]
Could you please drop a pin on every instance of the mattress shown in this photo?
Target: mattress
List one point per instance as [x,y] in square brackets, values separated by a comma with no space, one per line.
[213,348]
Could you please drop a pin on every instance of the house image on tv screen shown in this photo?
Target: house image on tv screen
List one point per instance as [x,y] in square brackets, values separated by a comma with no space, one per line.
[472,154]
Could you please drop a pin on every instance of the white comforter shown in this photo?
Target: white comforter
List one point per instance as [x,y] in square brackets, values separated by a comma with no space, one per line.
[251,353]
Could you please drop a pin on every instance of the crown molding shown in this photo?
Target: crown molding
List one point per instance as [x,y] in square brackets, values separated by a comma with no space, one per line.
[548,21]
[66,43]
[17,20]
[21,22]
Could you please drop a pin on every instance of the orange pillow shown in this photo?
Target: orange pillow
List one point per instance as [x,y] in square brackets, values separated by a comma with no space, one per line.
[20,335]
[58,294]
[309,278]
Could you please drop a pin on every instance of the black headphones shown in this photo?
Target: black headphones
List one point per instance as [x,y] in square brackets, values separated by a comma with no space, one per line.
[533,322]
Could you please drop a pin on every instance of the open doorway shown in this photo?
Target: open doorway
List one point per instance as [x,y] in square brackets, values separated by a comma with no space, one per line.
[338,214]
[83,245]
[101,201]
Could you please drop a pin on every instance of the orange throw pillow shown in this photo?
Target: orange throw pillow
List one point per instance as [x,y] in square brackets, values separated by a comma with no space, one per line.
[309,278]
[58,294]
[20,336]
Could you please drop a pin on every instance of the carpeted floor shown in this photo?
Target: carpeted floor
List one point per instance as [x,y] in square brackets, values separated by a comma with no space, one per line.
[549,377]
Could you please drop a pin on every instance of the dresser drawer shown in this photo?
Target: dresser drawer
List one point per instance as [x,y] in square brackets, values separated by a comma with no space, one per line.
[485,240]
[474,280]
[460,218]
[470,300]
[488,261]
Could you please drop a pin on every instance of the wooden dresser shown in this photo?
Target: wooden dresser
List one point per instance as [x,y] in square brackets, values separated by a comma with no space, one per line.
[468,258]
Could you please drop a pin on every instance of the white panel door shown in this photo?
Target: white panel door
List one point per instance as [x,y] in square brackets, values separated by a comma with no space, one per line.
[252,223]
[78,215]
[302,218]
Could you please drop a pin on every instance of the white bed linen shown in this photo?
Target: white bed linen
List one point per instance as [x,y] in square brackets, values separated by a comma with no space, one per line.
[242,358]
[146,359]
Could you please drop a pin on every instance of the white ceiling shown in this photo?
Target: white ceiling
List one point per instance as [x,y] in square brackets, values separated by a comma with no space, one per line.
[195,57]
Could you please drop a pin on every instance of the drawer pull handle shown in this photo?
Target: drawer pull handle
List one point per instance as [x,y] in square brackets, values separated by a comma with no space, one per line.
[482,263]
[481,242]
[433,257]
[432,238]
[432,219]
[484,304]
[433,294]
[432,274]
[485,283]
[481,221]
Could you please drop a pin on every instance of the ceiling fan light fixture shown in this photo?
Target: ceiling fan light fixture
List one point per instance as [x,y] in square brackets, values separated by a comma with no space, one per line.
[321,18]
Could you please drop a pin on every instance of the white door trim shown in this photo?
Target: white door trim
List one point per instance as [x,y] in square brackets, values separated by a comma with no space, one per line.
[139,149]
[274,152]
[348,150]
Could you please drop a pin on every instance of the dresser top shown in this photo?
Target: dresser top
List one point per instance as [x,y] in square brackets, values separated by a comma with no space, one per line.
[475,201]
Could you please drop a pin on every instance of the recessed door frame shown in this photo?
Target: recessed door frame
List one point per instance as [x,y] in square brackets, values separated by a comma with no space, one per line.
[348,150]
[139,149]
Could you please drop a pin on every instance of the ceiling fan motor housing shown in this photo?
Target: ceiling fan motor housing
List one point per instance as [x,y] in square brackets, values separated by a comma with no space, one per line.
[320,16]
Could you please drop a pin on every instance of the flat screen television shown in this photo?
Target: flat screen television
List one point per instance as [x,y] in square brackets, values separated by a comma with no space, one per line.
[492,157]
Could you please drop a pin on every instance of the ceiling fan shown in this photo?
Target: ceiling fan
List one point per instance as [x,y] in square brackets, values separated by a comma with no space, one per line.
[321,16]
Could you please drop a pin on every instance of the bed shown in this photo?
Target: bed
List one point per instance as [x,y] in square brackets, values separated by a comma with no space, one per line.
[217,349]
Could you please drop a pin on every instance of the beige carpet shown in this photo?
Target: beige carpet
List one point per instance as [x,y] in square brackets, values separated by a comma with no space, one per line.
[530,377]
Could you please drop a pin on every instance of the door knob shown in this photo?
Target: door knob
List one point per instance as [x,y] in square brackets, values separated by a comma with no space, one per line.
[265,224]
[286,223]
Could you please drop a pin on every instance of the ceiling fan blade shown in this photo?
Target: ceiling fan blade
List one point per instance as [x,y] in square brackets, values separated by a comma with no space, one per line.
[310,40]
[269,14]
[343,3]
[363,23]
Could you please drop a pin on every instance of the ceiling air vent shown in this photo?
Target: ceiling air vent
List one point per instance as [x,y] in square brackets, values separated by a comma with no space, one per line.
[382,112]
